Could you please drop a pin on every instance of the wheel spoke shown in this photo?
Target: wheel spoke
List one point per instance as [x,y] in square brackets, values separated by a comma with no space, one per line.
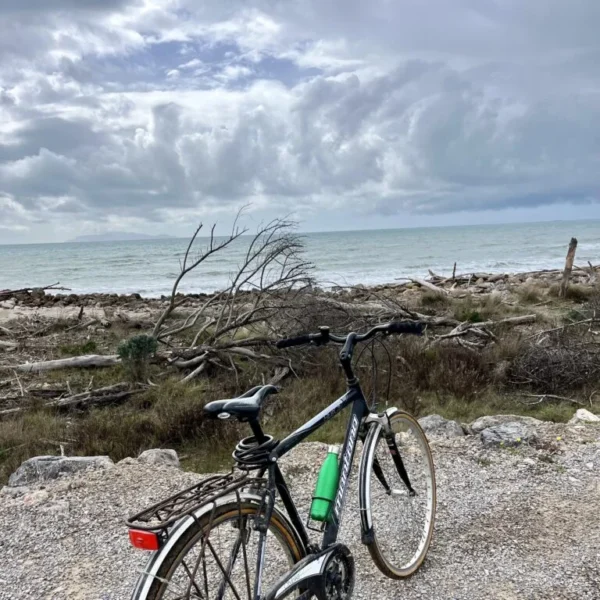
[219,557]
[192,577]
[225,575]
[401,518]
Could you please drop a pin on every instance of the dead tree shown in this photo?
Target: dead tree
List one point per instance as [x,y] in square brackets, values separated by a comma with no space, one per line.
[568,268]
[188,265]
[246,313]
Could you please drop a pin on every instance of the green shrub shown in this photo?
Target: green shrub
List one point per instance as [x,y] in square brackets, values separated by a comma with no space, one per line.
[135,354]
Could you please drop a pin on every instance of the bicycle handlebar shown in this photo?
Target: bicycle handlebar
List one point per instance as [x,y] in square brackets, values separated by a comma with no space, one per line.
[323,337]
[301,340]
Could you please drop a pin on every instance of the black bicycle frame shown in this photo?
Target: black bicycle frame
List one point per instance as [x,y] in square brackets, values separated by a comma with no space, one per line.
[360,410]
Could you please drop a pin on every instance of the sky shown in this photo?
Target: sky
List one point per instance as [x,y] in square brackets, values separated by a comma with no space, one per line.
[151,115]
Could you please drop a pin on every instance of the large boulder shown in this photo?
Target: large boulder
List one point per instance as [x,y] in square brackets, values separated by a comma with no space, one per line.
[482,423]
[42,468]
[584,417]
[435,425]
[508,434]
[160,456]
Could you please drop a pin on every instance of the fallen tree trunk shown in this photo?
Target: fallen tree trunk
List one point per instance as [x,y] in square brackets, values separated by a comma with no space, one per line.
[77,362]
[522,320]
[98,397]
[9,293]
[479,329]
[430,286]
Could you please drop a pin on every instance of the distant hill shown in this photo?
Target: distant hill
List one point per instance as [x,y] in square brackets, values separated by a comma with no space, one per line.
[118,236]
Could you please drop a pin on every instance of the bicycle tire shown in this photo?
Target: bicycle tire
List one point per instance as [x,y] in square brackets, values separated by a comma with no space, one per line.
[376,446]
[155,583]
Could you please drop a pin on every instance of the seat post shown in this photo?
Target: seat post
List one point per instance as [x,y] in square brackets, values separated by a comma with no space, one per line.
[257,431]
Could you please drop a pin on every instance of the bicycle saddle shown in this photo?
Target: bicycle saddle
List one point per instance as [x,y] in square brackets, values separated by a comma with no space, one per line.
[245,407]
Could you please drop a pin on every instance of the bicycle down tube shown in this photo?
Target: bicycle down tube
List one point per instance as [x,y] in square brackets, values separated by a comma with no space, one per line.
[360,410]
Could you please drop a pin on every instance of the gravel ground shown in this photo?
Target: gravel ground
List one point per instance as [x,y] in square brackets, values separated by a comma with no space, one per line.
[510,524]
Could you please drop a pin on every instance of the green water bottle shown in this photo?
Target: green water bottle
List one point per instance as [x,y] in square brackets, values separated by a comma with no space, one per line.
[326,487]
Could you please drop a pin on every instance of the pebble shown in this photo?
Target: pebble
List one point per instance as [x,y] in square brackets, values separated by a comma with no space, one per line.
[500,532]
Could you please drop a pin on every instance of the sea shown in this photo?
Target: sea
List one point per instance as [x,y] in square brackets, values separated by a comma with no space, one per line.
[342,258]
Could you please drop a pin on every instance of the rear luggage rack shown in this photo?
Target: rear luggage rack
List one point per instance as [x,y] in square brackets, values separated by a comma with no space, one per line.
[162,515]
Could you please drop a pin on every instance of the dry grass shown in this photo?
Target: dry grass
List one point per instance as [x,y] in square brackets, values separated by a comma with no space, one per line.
[424,378]
[575,292]
[529,294]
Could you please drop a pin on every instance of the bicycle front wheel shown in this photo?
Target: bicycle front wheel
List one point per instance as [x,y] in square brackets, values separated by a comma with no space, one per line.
[217,556]
[398,495]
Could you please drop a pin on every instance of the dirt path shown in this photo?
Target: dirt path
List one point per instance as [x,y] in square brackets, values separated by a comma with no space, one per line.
[510,525]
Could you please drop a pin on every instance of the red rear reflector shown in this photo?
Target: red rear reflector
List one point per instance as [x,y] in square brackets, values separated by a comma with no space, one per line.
[144,540]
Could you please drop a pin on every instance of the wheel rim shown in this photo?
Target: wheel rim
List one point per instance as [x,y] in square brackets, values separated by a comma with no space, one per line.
[402,523]
[209,567]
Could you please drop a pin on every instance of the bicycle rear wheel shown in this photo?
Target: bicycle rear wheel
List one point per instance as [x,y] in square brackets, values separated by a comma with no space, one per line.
[398,495]
[216,557]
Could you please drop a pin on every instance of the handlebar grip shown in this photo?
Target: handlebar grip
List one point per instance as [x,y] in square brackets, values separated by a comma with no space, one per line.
[295,341]
[410,327]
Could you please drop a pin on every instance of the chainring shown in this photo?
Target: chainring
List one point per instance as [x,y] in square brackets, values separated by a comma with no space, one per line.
[338,575]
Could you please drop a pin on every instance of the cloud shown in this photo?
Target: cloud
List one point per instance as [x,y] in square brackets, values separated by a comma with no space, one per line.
[154,109]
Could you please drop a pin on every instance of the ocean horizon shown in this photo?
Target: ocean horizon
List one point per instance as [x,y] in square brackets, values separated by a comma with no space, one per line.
[344,258]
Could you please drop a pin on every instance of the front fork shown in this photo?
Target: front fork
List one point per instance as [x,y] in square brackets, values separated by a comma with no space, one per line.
[390,438]
[373,426]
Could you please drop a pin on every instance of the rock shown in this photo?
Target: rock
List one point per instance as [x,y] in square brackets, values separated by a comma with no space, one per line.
[438,426]
[8,304]
[508,434]
[482,423]
[529,461]
[159,456]
[36,497]
[127,461]
[583,416]
[42,468]
[14,492]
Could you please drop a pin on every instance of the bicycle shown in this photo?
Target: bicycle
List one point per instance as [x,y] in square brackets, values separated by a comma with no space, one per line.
[250,511]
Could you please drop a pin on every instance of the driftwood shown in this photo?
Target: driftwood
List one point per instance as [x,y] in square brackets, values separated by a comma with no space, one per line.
[568,267]
[562,327]
[10,293]
[429,286]
[105,395]
[481,330]
[98,397]
[90,360]
[8,345]
[387,309]
[539,398]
